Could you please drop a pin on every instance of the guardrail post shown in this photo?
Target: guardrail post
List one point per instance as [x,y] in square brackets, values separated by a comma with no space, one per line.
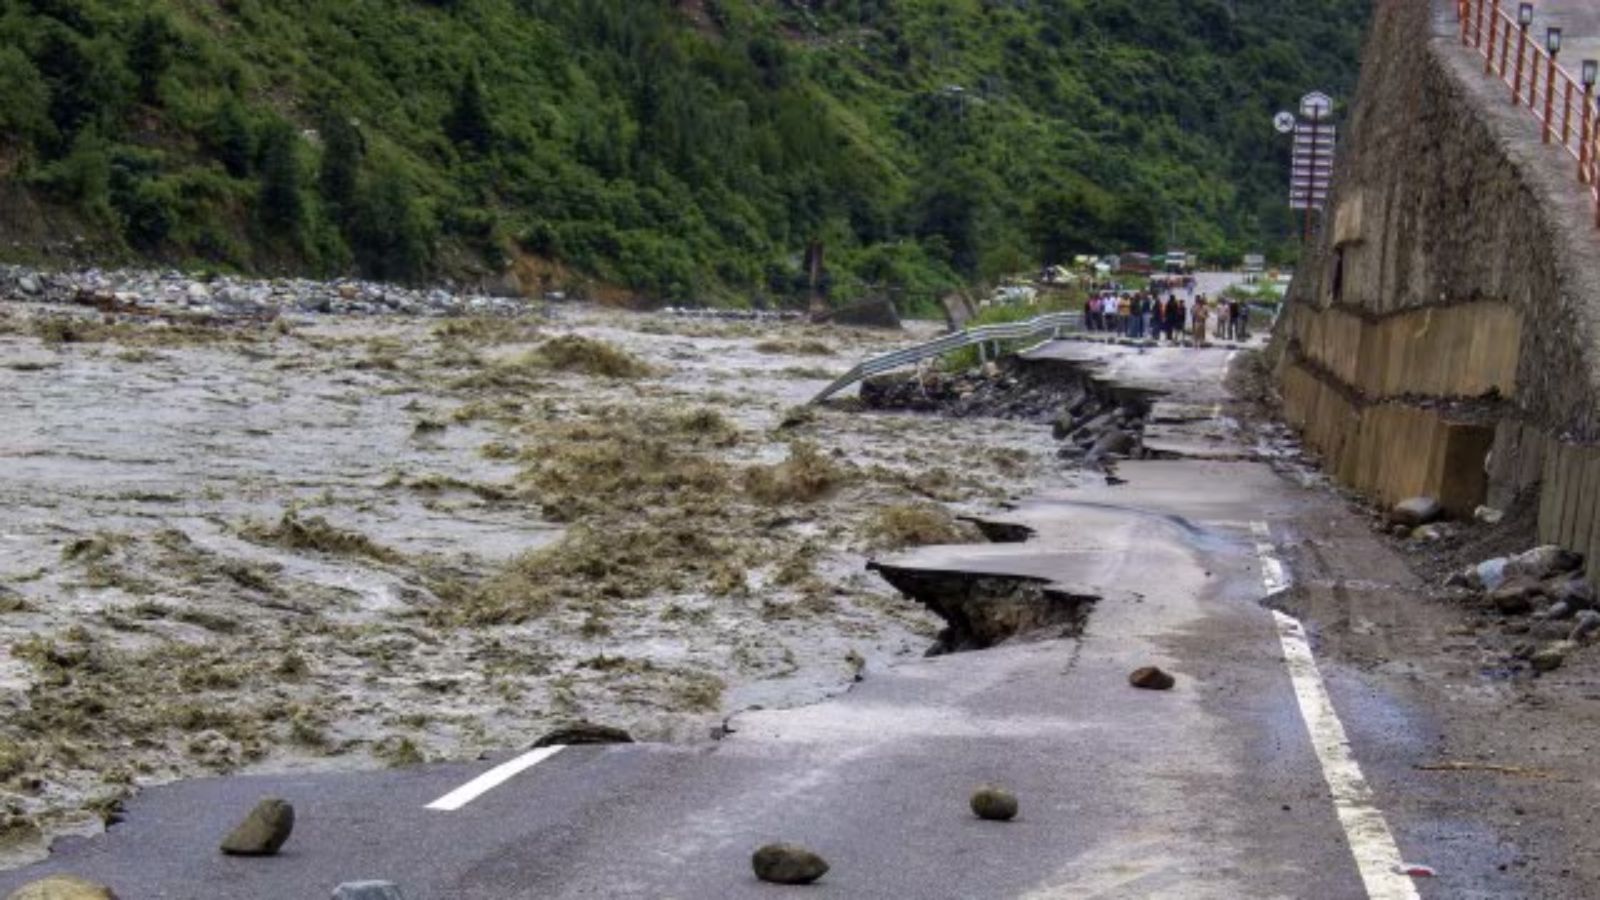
[1461,13]
[1477,26]
[1566,115]
[1505,48]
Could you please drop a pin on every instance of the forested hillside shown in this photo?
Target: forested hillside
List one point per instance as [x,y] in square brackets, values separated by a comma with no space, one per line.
[674,149]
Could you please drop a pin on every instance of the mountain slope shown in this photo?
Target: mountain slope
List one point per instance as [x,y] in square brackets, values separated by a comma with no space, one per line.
[677,149]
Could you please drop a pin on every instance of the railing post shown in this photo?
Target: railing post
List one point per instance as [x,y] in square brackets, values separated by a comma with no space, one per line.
[1505,48]
[1586,135]
[1494,21]
[1477,20]
[1522,51]
[1566,115]
[1549,97]
[1461,13]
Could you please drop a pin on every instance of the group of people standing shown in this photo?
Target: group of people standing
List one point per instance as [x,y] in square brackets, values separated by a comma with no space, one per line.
[1144,315]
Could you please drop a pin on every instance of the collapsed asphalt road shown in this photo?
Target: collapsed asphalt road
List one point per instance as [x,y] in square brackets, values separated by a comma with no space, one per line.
[1243,781]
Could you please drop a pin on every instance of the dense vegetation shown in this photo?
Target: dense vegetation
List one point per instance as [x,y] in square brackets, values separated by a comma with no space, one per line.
[677,149]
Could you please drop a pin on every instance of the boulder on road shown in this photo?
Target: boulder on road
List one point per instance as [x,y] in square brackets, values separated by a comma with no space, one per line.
[1151,678]
[787,864]
[1416,511]
[994,804]
[263,832]
[62,887]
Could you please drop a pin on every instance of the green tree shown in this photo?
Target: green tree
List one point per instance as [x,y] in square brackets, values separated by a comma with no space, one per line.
[150,55]
[230,138]
[343,149]
[391,233]
[281,204]
[468,123]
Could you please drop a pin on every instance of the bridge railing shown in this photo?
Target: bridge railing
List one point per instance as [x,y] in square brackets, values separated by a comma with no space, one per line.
[1564,106]
[1052,324]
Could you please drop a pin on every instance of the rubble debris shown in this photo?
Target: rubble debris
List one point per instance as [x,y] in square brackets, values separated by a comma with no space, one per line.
[368,890]
[1416,511]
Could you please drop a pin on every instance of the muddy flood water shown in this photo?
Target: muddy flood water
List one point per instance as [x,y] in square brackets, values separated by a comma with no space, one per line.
[359,542]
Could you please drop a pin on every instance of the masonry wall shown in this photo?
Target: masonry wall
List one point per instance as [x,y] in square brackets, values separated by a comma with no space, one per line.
[1442,336]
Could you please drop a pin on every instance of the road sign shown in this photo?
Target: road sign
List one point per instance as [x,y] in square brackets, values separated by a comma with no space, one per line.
[1284,122]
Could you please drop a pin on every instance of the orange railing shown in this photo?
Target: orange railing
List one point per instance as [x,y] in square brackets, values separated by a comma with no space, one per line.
[1564,108]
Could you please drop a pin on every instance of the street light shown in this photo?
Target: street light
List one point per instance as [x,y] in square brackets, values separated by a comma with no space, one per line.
[1552,42]
[1524,22]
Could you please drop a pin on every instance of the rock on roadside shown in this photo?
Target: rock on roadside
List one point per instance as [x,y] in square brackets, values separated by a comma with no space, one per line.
[1550,658]
[1416,511]
[62,887]
[263,832]
[787,864]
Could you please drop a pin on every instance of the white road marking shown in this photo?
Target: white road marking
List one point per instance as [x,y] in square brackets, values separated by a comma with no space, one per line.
[1274,577]
[492,779]
[1371,843]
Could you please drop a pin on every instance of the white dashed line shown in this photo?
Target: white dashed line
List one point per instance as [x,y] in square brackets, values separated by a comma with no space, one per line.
[1376,855]
[492,779]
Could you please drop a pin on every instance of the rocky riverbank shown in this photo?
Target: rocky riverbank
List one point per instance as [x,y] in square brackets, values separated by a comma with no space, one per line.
[174,293]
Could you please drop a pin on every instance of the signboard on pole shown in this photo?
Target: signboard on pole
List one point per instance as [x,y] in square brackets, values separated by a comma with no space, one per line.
[1315,141]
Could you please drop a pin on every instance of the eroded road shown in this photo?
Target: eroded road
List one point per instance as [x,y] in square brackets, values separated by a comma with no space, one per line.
[1237,783]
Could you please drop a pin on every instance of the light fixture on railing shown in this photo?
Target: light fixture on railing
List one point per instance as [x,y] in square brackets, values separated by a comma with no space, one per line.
[1591,72]
[1525,15]
[1552,41]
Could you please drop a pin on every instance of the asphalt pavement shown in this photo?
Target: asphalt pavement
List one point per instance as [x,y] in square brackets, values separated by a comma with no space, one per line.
[1231,785]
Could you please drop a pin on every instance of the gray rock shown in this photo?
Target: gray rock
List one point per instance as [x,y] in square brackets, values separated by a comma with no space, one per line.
[1488,515]
[1551,657]
[29,284]
[1586,627]
[1416,511]
[994,804]
[1515,597]
[1577,593]
[368,890]
[263,832]
[788,864]
[1557,612]
[1542,562]
[1113,442]
[62,887]
[1487,575]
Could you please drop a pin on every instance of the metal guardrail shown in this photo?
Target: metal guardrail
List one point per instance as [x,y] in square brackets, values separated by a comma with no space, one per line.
[1053,323]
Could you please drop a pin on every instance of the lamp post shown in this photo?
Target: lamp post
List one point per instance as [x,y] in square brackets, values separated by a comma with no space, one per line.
[1524,22]
[1591,74]
[1552,43]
